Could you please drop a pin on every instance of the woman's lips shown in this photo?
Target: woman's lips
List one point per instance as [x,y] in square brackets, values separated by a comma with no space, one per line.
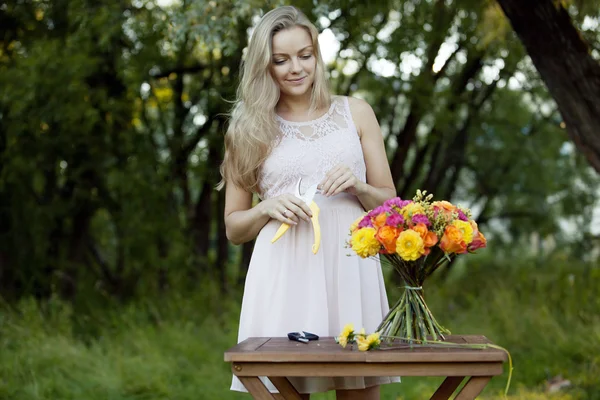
[297,81]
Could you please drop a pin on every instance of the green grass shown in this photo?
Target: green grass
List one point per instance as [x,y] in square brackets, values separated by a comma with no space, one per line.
[172,348]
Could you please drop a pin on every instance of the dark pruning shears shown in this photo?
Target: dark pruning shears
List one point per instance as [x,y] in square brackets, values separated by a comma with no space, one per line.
[302,337]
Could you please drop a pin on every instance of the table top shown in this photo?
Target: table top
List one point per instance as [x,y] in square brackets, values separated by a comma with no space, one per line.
[281,349]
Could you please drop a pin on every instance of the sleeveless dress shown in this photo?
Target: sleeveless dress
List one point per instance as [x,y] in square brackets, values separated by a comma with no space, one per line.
[288,288]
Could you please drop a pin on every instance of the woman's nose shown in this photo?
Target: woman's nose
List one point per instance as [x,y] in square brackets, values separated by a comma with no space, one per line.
[295,65]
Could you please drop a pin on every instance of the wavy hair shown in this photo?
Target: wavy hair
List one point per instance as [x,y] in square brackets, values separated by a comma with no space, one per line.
[253,127]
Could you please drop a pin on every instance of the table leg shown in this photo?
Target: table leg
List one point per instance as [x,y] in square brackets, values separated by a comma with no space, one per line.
[256,388]
[447,388]
[473,387]
[286,389]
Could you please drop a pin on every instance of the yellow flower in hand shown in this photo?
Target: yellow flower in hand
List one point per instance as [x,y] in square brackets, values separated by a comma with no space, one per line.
[364,242]
[409,245]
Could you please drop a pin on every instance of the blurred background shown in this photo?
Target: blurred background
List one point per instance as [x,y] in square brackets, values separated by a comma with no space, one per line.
[116,278]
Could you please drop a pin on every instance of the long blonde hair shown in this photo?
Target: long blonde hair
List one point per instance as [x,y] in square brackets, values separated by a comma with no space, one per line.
[253,127]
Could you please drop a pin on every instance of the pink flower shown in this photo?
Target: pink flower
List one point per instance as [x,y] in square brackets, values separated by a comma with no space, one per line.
[396,202]
[365,223]
[462,216]
[479,241]
[395,220]
[421,219]
[378,210]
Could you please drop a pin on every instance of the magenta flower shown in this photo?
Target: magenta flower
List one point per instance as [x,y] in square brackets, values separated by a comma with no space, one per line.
[378,210]
[421,219]
[462,216]
[365,222]
[395,220]
[396,202]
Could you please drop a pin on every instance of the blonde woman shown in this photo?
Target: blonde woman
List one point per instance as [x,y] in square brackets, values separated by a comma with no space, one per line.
[285,126]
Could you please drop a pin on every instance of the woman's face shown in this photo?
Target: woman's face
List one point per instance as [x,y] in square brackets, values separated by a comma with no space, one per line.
[293,63]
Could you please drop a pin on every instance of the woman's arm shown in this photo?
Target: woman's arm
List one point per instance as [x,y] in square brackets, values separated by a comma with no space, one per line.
[380,185]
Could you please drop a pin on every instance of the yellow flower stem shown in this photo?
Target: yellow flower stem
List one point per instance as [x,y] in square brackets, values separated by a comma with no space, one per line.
[408,321]
[397,316]
[418,321]
[437,343]
[441,329]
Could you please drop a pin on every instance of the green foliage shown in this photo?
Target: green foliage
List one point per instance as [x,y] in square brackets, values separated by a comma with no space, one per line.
[112,118]
[172,346]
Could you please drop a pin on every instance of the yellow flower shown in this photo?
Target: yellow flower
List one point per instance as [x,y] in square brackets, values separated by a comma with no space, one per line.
[347,333]
[466,229]
[363,345]
[411,209]
[356,222]
[369,342]
[410,245]
[364,242]
[343,341]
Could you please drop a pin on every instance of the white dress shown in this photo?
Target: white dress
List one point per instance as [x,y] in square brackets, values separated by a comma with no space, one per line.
[288,288]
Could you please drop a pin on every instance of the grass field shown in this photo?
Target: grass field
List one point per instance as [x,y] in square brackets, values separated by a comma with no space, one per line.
[172,348]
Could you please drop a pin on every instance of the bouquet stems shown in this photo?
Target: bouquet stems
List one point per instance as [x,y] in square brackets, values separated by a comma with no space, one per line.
[411,318]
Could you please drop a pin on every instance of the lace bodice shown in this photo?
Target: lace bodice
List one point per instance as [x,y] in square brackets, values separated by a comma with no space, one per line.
[310,149]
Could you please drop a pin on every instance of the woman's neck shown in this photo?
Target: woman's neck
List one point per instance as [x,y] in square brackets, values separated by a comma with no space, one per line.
[296,105]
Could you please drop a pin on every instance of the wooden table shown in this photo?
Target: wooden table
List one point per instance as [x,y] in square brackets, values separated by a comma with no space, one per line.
[278,358]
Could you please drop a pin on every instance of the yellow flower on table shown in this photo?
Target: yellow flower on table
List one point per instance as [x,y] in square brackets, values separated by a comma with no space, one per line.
[368,342]
[410,246]
[364,242]
[347,333]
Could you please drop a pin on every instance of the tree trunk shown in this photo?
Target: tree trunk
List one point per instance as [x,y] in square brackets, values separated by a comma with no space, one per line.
[562,57]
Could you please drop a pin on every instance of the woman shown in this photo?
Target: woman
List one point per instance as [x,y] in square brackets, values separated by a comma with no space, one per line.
[285,126]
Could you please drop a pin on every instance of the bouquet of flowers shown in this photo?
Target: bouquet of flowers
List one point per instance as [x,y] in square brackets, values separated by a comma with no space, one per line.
[416,237]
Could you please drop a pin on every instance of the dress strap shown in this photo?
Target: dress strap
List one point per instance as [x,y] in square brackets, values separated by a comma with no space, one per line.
[348,115]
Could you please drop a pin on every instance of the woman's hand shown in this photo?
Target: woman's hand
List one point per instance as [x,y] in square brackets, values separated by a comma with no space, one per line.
[287,208]
[340,179]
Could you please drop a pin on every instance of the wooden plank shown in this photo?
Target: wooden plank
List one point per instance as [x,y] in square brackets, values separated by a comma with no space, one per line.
[476,339]
[473,387]
[249,345]
[286,389]
[325,349]
[367,369]
[256,388]
[447,388]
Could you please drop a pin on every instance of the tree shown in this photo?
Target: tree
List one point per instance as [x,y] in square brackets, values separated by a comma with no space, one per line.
[563,58]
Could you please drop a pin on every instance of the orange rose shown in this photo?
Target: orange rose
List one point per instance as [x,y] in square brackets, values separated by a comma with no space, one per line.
[452,241]
[379,220]
[429,238]
[387,236]
[446,205]
[421,228]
